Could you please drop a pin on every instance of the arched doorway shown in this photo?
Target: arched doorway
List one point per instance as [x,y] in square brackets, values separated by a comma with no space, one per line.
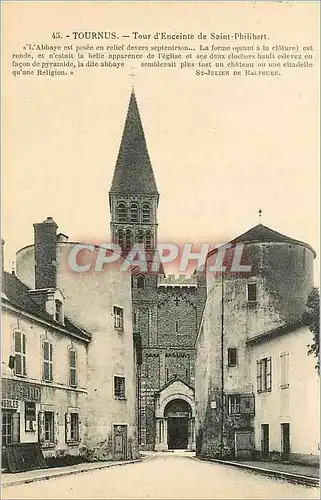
[175,417]
[178,412]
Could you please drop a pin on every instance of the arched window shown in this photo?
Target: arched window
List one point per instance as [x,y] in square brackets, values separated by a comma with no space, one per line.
[121,212]
[148,239]
[140,282]
[120,237]
[146,212]
[134,212]
[128,239]
[141,237]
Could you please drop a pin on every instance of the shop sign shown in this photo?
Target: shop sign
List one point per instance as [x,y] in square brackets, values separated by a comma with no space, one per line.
[19,390]
[9,404]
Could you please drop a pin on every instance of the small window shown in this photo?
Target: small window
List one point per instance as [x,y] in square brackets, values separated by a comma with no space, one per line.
[176,326]
[134,212]
[119,387]
[59,311]
[234,404]
[49,423]
[232,356]
[128,239]
[136,318]
[264,375]
[20,353]
[252,292]
[146,212]
[72,368]
[120,238]
[167,374]
[141,237]
[121,212]
[148,239]
[47,361]
[118,318]
[30,416]
[74,426]
[140,282]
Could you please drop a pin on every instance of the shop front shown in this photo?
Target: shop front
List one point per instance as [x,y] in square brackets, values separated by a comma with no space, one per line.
[20,406]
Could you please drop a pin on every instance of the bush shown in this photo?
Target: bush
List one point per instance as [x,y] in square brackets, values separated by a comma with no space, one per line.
[64,461]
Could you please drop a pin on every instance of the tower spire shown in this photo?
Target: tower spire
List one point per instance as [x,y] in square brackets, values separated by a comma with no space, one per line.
[133,172]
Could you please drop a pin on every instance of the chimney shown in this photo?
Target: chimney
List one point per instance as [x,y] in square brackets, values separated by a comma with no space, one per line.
[45,253]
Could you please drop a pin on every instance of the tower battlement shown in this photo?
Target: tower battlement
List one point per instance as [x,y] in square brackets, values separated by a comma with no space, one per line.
[177,281]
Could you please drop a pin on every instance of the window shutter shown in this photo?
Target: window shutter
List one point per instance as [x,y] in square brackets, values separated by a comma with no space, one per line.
[269,374]
[80,429]
[41,427]
[286,369]
[56,437]
[72,368]
[50,361]
[16,427]
[247,404]
[258,376]
[67,427]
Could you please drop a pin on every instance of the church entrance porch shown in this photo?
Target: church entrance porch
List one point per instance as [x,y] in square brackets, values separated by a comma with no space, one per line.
[175,417]
[178,412]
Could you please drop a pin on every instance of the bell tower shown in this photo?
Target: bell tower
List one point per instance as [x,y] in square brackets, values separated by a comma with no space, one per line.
[133,196]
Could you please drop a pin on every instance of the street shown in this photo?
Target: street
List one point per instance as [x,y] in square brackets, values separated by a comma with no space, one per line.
[163,475]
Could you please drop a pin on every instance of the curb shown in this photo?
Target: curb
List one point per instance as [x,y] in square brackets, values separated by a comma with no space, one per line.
[66,473]
[288,476]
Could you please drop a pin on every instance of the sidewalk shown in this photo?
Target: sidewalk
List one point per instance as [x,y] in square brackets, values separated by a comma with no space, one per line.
[10,479]
[302,474]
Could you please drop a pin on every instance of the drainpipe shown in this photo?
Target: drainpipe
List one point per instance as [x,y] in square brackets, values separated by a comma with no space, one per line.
[222,363]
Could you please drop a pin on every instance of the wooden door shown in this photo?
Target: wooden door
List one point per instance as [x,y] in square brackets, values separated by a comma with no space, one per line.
[120,442]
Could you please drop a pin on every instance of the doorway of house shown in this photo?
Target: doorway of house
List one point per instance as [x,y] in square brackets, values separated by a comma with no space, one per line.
[265,448]
[177,429]
[120,442]
[285,441]
[178,413]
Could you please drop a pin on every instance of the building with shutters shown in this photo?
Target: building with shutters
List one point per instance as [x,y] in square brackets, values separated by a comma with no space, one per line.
[68,353]
[257,390]
[44,371]
[100,303]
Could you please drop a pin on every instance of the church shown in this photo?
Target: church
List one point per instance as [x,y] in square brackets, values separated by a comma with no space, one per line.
[166,310]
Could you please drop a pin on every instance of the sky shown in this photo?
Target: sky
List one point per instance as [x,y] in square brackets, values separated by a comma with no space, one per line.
[220,149]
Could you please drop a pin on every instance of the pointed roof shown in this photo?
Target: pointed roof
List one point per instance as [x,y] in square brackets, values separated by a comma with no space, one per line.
[133,172]
[172,381]
[263,234]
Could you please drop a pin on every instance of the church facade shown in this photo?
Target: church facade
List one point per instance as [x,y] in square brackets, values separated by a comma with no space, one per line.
[166,310]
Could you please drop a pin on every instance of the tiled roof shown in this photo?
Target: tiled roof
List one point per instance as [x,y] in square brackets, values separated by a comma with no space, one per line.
[133,172]
[263,234]
[172,381]
[267,336]
[17,294]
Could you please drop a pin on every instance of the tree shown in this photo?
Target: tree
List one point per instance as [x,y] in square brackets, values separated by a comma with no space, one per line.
[311,318]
